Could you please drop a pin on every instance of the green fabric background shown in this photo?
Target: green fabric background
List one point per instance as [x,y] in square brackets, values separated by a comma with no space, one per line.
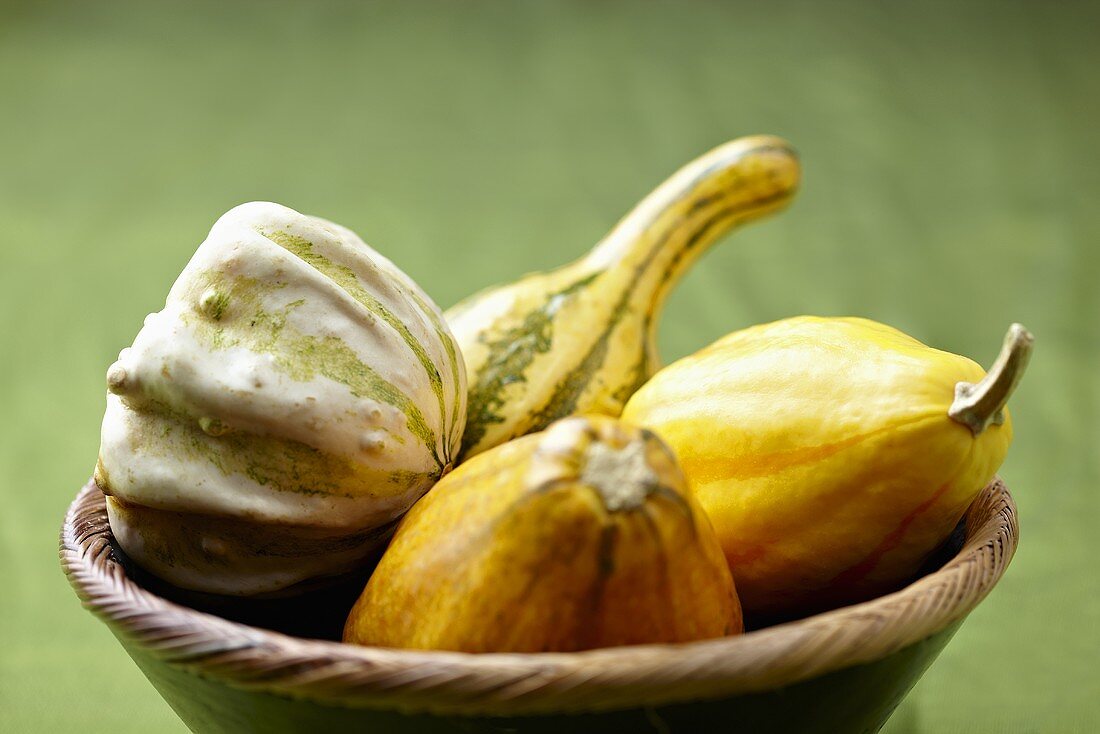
[951,187]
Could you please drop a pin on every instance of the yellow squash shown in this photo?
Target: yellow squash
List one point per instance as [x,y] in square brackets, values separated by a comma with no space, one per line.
[832,455]
[581,339]
[578,537]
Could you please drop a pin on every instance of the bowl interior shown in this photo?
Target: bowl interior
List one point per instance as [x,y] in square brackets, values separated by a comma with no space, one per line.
[319,611]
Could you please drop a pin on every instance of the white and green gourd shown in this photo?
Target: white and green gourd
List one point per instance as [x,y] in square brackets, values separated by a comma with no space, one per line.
[295,396]
[582,338]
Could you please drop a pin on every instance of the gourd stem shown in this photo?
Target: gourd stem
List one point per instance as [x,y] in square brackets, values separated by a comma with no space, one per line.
[622,476]
[978,405]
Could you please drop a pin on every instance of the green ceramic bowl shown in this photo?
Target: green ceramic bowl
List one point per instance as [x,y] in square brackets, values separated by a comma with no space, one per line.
[266,665]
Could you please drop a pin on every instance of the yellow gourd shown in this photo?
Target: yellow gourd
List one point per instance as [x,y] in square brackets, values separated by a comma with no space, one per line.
[578,537]
[581,339]
[831,455]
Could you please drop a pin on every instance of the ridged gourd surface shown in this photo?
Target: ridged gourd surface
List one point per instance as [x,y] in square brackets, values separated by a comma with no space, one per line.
[295,377]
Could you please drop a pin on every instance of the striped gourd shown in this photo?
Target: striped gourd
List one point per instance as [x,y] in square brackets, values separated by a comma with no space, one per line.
[833,455]
[581,536]
[297,393]
[582,338]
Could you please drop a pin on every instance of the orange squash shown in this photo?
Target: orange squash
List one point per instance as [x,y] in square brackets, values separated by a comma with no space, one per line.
[578,537]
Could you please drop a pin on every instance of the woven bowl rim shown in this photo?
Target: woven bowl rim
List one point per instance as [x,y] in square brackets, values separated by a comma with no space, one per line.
[517,684]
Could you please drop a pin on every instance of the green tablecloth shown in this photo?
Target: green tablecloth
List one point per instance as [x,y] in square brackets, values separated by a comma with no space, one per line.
[950,188]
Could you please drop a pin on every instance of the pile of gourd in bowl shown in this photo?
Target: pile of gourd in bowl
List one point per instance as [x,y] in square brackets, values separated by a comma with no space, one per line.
[537,480]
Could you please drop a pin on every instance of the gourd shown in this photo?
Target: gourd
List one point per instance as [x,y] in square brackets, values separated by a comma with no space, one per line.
[577,537]
[581,339]
[833,456]
[297,394]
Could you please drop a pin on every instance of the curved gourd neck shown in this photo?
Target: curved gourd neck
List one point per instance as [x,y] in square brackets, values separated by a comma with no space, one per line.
[661,238]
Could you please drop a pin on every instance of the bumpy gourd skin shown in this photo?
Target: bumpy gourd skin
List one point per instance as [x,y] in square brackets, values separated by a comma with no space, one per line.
[579,537]
[582,338]
[823,452]
[296,395]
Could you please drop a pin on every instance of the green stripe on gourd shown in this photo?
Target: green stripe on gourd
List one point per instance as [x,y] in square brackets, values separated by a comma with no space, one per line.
[452,356]
[300,356]
[563,400]
[510,354]
[345,277]
[280,464]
